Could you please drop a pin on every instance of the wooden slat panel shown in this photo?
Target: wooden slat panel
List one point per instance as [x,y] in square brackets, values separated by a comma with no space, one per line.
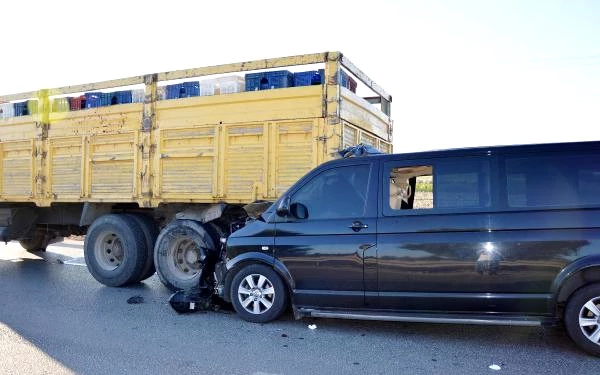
[245,163]
[17,169]
[295,153]
[187,162]
[65,167]
[112,165]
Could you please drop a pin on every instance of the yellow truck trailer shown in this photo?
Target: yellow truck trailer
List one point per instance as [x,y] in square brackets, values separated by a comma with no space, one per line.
[119,173]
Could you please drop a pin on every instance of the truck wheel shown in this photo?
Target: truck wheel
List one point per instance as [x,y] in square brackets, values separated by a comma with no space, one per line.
[181,252]
[582,318]
[150,232]
[39,242]
[258,294]
[115,250]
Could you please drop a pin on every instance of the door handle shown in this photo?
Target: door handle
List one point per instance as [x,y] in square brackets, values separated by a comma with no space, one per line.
[357,226]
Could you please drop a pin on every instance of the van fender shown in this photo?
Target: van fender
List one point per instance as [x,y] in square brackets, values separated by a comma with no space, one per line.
[576,274]
[256,257]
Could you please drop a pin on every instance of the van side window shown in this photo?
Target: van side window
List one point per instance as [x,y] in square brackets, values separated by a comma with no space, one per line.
[457,183]
[411,188]
[553,180]
[336,193]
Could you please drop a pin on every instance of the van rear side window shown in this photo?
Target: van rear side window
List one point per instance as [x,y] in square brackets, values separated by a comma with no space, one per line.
[411,188]
[457,183]
[553,181]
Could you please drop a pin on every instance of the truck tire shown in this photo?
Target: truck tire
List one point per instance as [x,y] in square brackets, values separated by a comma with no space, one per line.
[258,294]
[181,252]
[115,250]
[150,232]
[582,318]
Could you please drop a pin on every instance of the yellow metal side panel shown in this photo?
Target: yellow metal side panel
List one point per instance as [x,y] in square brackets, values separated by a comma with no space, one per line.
[112,167]
[364,115]
[106,143]
[65,168]
[245,161]
[187,162]
[296,148]
[244,107]
[104,120]
[17,170]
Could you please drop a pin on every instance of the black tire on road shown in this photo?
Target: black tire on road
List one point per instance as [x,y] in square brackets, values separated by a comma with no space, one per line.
[582,318]
[150,232]
[115,250]
[258,294]
[182,249]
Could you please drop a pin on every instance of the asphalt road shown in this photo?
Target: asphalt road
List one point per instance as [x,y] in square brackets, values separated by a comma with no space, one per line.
[55,318]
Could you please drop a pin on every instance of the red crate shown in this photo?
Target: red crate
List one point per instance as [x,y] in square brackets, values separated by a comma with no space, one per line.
[77,103]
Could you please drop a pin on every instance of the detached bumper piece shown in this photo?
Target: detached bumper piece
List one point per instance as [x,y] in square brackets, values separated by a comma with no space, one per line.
[201,299]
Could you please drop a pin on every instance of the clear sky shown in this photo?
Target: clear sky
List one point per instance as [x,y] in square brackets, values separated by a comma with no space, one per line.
[461,72]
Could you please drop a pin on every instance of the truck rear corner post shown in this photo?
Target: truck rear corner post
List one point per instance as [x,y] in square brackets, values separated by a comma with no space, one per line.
[154,183]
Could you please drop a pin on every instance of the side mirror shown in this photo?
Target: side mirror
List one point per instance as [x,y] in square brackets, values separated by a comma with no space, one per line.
[283,209]
[299,211]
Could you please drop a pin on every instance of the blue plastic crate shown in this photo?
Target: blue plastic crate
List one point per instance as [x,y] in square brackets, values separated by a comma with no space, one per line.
[345,80]
[183,90]
[269,80]
[25,108]
[97,99]
[312,77]
[120,97]
[21,109]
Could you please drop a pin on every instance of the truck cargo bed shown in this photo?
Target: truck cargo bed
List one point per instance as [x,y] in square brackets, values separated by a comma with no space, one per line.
[234,148]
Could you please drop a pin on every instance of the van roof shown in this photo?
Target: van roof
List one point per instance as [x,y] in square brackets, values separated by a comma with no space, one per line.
[483,150]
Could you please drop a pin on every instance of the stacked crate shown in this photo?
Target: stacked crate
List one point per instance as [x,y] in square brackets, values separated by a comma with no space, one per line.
[183,90]
[311,77]
[346,81]
[7,110]
[97,99]
[77,103]
[222,85]
[25,108]
[269,80]
[61,105]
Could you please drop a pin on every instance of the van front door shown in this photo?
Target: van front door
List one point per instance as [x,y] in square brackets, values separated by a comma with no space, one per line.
[327,252]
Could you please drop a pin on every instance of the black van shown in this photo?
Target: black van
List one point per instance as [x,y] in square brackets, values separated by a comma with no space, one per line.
[495,235]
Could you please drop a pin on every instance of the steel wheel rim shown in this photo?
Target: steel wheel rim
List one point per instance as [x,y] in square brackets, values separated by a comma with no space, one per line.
[589,320]
[256,294]
[186,259]
[109,251]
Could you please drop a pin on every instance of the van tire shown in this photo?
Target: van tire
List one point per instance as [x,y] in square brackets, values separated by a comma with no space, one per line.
[114,250]
[582,318]
[182,250]
[270,300]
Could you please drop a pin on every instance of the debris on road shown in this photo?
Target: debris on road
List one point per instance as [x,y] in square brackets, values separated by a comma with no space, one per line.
[135,300]
[312,326]
[195,300]
[495,367]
